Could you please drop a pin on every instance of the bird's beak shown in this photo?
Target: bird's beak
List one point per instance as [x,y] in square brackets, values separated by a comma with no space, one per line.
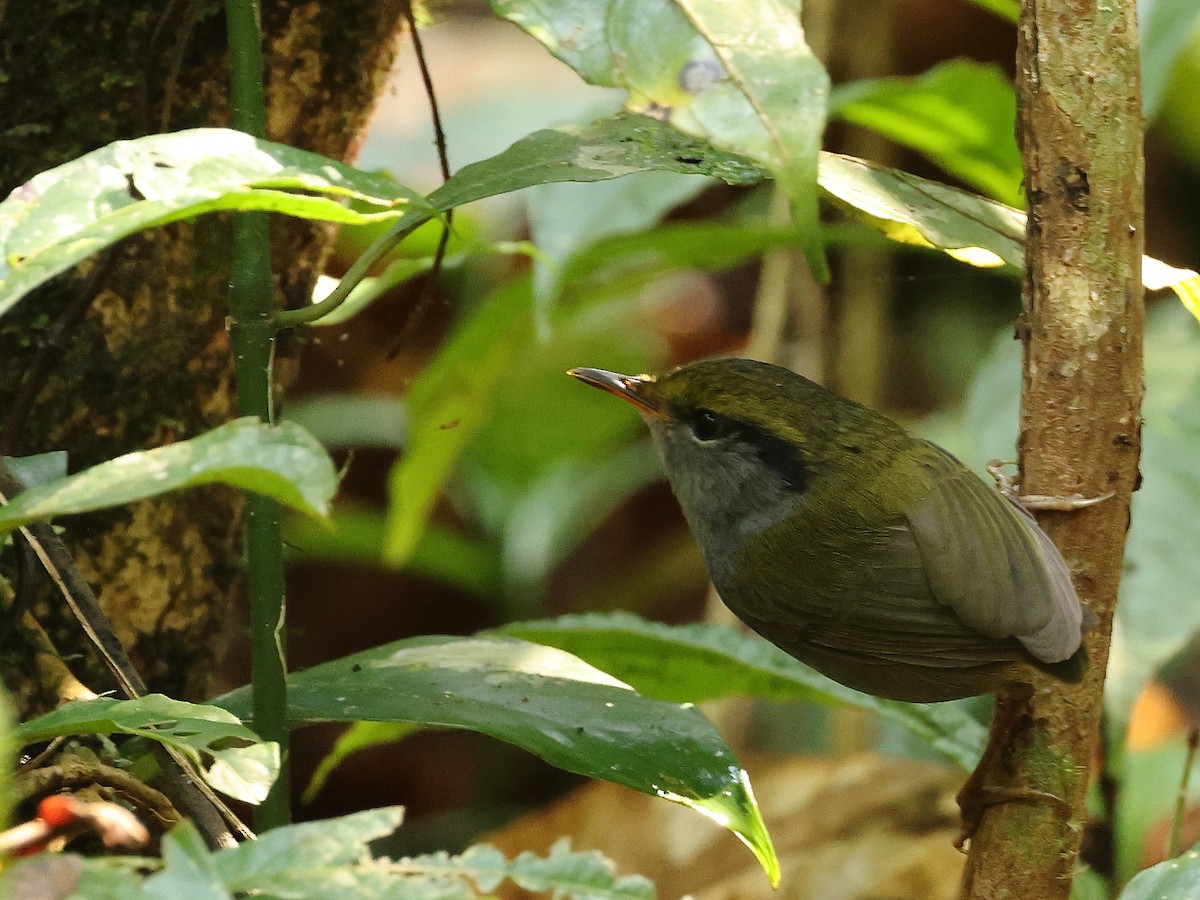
[640,390]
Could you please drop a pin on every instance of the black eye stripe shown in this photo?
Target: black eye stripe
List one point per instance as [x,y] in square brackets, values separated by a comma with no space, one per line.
[775,451]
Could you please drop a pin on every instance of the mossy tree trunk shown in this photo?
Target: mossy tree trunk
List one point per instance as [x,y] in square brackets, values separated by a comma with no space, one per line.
[150,362]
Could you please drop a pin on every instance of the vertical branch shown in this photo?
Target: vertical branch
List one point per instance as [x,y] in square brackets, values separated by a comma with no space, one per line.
[252,336]
[1080,128]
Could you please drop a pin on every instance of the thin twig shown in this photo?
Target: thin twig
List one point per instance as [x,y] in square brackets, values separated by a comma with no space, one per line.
[1182,797]
[439,136]
[191,793]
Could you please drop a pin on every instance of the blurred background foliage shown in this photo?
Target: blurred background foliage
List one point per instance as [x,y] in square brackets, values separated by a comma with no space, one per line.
[546,500]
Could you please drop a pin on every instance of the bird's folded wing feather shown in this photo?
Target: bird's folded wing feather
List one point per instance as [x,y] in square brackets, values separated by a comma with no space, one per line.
[987,560]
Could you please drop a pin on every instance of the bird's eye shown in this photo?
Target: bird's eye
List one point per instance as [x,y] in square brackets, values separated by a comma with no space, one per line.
[707,425]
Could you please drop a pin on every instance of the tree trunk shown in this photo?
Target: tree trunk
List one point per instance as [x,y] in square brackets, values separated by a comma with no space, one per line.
[1080,128]
[149,363]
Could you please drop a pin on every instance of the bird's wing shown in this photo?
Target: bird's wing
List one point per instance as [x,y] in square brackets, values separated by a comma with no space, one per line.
[987,560]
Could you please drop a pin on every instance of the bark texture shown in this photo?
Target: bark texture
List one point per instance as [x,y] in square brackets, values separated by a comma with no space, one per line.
[1080,129]
[150,362]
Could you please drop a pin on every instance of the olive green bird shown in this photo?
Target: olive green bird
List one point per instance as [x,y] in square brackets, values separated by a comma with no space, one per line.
[872,555]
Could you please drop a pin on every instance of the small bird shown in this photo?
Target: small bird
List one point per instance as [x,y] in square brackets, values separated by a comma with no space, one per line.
[872,555]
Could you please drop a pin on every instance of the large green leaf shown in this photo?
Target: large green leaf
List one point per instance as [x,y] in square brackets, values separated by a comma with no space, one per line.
[232,757]
[70,212]
[448,404]
[739,75]
[970,228]
[544,700]
[1175,879]
[693,663]
[611,147]
[961,114]
[281,461]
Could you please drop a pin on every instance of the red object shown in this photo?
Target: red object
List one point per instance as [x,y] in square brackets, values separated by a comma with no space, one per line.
[58,810]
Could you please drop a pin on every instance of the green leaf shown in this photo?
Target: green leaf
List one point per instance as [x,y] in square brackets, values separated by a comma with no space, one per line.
[316,860]
[965,226]
[187,868]
[402,270]
[322,860]
[570,714]
[740,76]
[1175,878]
[356,534]
[448,403]
[70,212]
[618,265]
[1165,27]
[202,733]
[1010,10]
[359,736]
[285,857]
[39,468]
[611,147]
[587,876]
[566,218]
[917,211]
[694,663]
[281,461]
[961,114]
[348,421]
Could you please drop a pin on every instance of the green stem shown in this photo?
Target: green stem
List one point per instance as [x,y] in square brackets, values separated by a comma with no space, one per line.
[381,247]
[252,335]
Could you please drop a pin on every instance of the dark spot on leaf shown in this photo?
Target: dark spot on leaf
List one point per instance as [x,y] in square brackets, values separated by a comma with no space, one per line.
[446,426]
[159,164]
[133,188]
[689,160]
[357,667]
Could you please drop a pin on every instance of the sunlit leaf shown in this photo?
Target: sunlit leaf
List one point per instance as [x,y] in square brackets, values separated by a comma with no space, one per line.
[970,228]
[281,461]
[206,734]
[961,114]
[70,212]
[553,704]
[740,76]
